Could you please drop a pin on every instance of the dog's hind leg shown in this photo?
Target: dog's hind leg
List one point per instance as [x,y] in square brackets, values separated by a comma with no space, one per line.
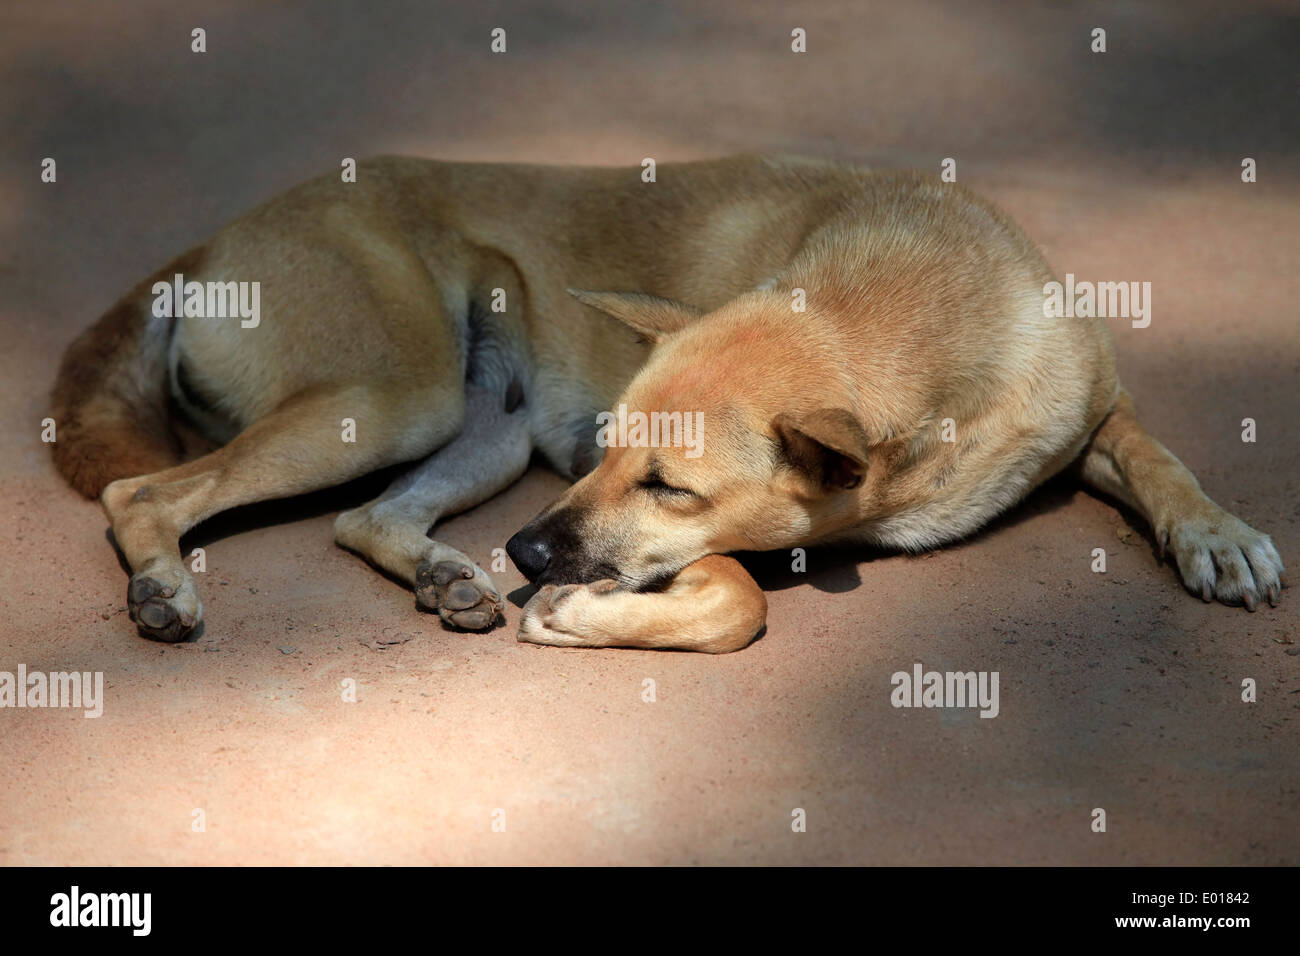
[302,446]
[1218,555]
[489,454]
[712,605]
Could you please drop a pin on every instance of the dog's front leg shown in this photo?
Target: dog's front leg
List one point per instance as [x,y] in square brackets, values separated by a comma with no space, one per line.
[1218,554]
[712,605]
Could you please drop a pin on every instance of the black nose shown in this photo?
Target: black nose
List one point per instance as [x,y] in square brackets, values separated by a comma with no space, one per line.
[530,552]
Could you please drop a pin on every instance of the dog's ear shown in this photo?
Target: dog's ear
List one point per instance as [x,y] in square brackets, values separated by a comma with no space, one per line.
[650,315]
[828,446]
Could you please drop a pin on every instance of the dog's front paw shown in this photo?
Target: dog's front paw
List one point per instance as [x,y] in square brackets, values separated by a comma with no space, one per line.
[555,615]
[462,594]
[1220,556]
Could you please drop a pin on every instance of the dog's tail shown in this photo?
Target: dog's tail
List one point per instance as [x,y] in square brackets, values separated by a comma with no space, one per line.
[110,401]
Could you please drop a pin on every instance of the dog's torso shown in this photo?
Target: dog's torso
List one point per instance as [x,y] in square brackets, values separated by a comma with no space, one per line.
[951,323]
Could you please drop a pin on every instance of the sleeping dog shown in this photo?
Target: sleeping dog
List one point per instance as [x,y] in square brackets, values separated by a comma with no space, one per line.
[834,355]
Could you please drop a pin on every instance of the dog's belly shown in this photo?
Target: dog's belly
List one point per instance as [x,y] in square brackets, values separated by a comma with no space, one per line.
[562,417]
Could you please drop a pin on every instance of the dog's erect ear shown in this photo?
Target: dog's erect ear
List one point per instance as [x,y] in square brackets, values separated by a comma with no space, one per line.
[650,315]
[829,446]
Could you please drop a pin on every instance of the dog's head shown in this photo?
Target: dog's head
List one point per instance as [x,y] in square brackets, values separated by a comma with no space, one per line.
[737,434]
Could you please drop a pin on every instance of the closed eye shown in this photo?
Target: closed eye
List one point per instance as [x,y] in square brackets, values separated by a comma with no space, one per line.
[657,486]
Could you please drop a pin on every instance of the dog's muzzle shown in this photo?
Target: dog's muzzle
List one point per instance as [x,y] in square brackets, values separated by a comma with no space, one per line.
[530,552]
[550,550]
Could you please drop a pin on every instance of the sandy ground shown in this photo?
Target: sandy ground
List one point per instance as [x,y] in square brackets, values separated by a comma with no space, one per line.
[1118,690]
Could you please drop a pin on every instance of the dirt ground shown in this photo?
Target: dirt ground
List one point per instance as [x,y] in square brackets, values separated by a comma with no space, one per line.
[1119,690]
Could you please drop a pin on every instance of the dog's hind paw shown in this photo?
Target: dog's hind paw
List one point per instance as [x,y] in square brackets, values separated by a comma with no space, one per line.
[164,603]
[462,594]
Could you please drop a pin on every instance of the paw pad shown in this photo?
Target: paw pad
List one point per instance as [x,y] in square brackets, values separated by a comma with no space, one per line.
[461,594]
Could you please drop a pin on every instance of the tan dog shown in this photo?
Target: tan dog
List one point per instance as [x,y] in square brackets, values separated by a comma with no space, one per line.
[422,313]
